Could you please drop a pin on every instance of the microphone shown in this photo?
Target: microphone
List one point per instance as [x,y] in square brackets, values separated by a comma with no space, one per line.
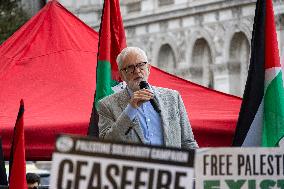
[153,101]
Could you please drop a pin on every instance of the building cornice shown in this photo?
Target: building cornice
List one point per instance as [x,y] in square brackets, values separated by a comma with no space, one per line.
[179,12]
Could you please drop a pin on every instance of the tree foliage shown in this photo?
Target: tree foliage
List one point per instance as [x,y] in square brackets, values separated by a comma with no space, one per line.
[12,16]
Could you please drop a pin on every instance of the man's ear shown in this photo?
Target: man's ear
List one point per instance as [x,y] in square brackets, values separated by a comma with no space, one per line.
[121,75]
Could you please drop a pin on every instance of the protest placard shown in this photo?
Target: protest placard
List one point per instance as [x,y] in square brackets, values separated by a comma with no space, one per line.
[81,162]
[240,168]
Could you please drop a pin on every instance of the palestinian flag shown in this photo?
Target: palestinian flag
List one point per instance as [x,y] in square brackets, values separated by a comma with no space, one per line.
[111,42]
[261,118]
[17,165]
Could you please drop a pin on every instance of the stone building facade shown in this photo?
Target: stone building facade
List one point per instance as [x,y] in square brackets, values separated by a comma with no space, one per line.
[204,41]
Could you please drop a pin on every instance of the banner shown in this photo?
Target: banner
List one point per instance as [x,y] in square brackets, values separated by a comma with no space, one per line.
[84,163]
[239,168]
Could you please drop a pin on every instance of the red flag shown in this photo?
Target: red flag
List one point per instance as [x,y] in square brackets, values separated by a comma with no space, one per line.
[17,178]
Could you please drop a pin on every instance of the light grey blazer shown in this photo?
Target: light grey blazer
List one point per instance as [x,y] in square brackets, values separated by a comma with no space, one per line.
[114,123]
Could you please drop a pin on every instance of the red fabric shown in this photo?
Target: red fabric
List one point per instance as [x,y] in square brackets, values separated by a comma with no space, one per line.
[51,63]
[18,170]
[272,58]
[112,36]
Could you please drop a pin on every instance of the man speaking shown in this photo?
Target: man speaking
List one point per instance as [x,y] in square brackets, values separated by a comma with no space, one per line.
[141,113]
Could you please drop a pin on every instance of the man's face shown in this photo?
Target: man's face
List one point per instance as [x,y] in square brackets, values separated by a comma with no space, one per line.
[33,185]
[134,70]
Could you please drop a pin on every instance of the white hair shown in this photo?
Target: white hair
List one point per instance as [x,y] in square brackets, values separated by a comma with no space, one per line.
[126,51]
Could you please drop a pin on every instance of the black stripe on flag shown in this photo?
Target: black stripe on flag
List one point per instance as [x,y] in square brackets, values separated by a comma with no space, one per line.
[93,129]
[3,175]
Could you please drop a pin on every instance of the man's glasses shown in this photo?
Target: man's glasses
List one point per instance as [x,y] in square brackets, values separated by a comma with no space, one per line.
[131,68]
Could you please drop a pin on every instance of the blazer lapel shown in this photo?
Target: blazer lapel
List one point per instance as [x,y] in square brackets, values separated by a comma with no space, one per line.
[123,101]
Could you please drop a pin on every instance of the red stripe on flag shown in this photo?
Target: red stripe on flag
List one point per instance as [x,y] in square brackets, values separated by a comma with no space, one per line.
[272,58]
[112,35]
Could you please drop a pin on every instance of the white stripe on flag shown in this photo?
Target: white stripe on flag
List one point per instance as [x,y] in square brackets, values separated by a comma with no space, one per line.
[254,135]
[270,74]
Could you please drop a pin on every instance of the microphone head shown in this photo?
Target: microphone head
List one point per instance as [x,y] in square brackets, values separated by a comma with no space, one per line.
[144,85]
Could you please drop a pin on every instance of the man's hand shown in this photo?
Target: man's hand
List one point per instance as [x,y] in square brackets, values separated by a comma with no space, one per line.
[140,97]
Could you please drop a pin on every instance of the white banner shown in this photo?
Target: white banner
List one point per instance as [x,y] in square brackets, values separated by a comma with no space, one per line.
[239,168]
[81,163]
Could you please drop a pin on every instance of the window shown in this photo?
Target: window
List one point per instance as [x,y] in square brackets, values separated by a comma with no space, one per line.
[133,7]
[165,2]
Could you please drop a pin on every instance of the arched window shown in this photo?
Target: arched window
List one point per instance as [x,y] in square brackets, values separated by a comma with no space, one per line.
[239,61]
[202,72]
[166,58]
